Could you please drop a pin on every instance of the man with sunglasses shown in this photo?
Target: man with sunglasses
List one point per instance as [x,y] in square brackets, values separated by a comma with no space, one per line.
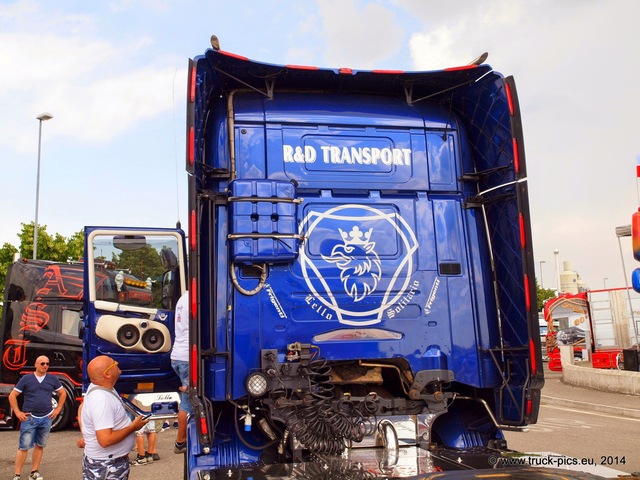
[36,414]
[107,430]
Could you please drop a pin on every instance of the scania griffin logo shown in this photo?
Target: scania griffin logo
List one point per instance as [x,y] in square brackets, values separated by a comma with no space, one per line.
[351,262]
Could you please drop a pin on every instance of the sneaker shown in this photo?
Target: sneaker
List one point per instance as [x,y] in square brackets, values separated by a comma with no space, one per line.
[35,475]
[180,447]
[139,460]
[165,426]
[148,457]
[155,457]
[175,424]
[16,477]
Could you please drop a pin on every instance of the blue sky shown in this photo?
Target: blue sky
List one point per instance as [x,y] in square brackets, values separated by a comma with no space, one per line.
[113,74]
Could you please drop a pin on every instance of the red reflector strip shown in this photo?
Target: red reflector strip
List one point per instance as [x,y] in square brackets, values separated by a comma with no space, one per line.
[193,305]
[532,355]
[346,71]
[192,85]
[523,238]
[193,366]
[192,231]
[389,72]
[203,426]
[463,67]
[509,98]
[302,67]
[516,156]
[529,407]
[233,55]
[192,147]
[527,292]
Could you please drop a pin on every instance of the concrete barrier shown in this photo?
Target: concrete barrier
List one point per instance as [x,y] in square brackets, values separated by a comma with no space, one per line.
[582,374]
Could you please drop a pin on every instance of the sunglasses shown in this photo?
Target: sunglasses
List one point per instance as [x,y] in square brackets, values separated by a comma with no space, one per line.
[44,363]
[109,367]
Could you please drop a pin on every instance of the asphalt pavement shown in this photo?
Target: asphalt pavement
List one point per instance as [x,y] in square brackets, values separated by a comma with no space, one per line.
[62,458]
[557,392]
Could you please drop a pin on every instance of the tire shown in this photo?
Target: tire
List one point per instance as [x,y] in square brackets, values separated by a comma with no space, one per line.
[63,420]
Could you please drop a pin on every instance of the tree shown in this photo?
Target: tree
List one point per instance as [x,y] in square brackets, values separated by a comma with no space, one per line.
[56,248]
[543,294]
[7,253]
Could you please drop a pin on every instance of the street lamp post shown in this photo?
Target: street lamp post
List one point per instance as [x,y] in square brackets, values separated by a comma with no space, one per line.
[556,252]
[43,117]
[604,282]
[541,282]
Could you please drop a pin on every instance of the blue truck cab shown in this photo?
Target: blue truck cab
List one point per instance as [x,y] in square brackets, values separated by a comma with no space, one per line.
[361,275]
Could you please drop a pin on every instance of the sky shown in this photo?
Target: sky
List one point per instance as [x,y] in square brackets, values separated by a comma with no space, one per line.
[113,75]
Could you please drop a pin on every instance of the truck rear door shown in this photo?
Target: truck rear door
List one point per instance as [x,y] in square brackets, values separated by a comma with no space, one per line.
[134,278]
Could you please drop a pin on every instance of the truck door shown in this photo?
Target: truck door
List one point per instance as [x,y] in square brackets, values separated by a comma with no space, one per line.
[134,278]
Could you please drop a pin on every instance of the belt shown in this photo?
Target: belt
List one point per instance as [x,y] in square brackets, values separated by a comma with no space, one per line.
[118,458]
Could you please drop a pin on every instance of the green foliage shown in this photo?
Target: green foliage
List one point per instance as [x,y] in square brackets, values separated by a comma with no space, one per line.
[56,248]
[6,258]
[543,294]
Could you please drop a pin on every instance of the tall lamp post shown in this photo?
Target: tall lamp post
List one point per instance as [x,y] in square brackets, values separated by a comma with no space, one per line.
[556,252]
[541,282]
[43,117]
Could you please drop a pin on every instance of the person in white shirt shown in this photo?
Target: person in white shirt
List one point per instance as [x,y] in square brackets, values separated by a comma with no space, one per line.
[108,432]
[180,363]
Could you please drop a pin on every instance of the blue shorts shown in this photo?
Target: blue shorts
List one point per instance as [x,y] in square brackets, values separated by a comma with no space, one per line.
[34,431]
[182,369]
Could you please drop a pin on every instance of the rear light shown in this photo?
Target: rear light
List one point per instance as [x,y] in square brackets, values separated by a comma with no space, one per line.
[532,356]
[193,366]
[192,231]
[233,55]
[204,429]
[463,67]
[192,85]
[527,292]
[191,147]
[516,156]
[507,89]
[523,238]
[529,407]
[346,71]
[193,304]
[302,67]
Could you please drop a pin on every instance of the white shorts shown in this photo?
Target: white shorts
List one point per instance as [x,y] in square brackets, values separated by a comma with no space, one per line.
[150,427]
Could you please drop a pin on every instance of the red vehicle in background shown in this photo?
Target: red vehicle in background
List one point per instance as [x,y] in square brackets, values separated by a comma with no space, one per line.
[599,324]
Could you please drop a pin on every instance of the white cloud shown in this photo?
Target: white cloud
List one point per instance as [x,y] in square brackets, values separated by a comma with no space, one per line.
[356,35]
[94,87]
[575,66]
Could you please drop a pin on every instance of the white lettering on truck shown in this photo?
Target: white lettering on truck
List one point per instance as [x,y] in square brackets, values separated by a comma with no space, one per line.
[347,155]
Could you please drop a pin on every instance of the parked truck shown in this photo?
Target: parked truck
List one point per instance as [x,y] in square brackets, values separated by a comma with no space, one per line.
[361,275]
[47,310]
[599,324]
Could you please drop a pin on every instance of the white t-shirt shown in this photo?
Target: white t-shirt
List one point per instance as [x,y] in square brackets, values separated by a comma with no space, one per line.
[180,349]
[101,410]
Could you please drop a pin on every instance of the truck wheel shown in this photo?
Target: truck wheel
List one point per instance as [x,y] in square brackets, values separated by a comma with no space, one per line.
[64,418]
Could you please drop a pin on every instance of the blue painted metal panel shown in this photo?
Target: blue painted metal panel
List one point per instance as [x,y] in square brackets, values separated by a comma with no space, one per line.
[393,170]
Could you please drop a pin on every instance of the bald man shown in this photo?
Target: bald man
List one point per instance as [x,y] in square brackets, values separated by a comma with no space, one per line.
[108,432]
[36,414]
